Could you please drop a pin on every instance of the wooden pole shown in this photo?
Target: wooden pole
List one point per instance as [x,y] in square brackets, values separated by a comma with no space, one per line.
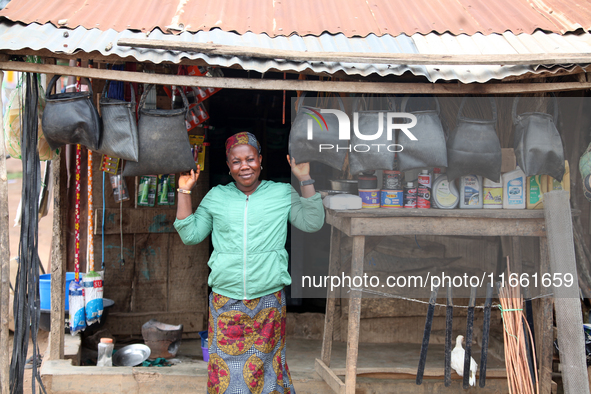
[5,261]
[300,85]
[354,315]
[357,57]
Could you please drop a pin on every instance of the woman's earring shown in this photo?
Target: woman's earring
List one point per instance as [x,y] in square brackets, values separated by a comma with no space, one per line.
[261,167]
[229,173]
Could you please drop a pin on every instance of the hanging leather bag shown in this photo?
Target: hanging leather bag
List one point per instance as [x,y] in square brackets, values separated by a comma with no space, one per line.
[71,118]
[368,124]
[537,144]
[119,126]
[325,130]
[164,146]
[429,150]
[473,147]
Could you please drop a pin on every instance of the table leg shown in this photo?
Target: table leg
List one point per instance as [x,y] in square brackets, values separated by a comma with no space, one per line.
[333,269]
[544,328]
[354,315]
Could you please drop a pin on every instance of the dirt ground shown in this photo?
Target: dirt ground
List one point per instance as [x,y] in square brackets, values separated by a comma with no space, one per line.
[14,169]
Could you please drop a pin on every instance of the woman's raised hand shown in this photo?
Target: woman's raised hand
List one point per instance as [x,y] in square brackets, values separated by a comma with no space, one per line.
[301,171]
[188,180]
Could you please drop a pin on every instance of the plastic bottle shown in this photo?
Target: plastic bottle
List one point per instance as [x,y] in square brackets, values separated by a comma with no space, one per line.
[471,191]
[553,184]
[105,353]
[514,189]
[537,185]
[445,193]
[410,195]
[424,190]
[492,194]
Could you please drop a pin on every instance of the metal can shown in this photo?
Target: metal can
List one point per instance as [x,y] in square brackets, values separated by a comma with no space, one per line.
[391,198]
[391,180]
[410,196]
[370,198]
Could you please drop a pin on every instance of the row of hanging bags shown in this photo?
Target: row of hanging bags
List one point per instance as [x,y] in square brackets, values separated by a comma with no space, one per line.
[157,144]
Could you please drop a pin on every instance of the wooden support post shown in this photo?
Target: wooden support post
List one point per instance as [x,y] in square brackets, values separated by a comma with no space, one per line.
[544,327]
[516,263]
[58,263]
[4,260]
[333,269]
[354,315]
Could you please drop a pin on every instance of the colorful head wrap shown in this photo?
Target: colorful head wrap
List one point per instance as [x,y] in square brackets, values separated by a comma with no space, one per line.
[242,138]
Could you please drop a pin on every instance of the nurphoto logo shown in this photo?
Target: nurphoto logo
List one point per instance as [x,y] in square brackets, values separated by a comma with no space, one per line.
[344,125]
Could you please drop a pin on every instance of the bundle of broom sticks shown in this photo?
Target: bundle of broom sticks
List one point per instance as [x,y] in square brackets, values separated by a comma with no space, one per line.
[516,332]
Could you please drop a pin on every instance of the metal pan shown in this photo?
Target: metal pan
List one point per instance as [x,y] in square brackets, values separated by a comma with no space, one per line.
[131,355]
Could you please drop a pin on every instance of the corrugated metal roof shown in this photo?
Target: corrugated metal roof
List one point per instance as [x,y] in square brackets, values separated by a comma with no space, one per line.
[15,36]
[309,17]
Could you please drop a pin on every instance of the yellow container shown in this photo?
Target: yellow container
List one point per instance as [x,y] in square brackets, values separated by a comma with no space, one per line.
[553,184]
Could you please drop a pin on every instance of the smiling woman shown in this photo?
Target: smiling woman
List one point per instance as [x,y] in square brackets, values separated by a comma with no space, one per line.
[247,220]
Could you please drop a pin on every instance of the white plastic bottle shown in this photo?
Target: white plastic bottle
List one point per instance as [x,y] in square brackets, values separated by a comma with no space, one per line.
[105,353]
[492,194]
[514,189]
[471,191]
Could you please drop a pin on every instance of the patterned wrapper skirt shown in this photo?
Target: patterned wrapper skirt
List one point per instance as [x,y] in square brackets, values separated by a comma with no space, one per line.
[247,345]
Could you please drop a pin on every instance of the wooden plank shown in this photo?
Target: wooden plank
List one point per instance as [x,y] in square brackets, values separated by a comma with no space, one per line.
[130,324]
[5,262]
[119,268]
[329,377]
[447,213]
[356,57]
[429,372]
[354,316]
[300,85]
[187,276]
[137,221]
[447,226]
[333,269]
[58,256]
[545,327]
[150,282]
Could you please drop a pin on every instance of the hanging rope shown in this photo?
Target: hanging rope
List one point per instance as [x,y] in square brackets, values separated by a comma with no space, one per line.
[26,306]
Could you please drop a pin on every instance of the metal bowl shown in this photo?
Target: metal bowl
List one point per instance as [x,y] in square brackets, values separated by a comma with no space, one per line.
[131,355]
[346,185]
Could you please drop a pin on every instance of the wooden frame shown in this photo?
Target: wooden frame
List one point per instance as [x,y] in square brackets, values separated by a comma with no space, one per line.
[299,85]
[381,222]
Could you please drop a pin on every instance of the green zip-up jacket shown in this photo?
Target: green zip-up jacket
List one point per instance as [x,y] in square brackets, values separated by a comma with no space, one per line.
[248,233]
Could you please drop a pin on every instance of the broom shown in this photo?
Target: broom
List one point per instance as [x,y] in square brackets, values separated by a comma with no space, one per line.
[516,329]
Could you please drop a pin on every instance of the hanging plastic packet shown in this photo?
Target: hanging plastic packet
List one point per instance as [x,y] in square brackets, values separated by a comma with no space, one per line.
[147,191]
[166,188]
[120,192]
[93,297]
[77,310]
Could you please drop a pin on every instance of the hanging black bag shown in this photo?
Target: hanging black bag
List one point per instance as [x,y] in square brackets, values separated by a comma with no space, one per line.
[164,146]
[473,147]
[429,149]
[325,129]
[537,144]
[71,118]
[368,122]
[119,127]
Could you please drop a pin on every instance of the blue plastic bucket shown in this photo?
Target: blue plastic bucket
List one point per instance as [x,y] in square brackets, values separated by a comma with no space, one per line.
[204,345]
[45,290]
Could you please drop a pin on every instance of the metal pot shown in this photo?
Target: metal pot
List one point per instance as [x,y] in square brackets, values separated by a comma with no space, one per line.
[347,185]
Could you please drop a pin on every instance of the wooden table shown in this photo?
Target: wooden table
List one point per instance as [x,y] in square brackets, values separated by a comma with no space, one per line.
[387,222]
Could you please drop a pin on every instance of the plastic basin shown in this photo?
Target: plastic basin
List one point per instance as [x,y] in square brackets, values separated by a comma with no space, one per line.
[45,290]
